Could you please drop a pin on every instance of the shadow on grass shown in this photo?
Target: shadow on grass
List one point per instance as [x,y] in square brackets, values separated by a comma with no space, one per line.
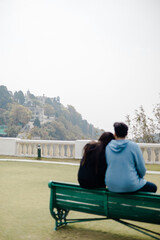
[79,233]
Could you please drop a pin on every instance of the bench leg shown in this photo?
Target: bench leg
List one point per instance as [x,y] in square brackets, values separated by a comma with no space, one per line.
[60,217]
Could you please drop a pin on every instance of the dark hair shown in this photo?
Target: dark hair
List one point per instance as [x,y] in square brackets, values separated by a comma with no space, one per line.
[121,129]
[105,138]
[98,147]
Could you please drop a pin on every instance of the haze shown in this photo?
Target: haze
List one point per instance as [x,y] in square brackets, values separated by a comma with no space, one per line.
[102,57]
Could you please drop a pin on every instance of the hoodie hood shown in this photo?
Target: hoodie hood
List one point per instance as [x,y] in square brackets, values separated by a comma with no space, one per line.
[118,145]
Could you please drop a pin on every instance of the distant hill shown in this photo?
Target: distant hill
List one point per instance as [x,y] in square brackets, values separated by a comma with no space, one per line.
[40,117]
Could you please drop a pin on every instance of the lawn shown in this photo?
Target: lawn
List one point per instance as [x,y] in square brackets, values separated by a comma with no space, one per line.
[24,206]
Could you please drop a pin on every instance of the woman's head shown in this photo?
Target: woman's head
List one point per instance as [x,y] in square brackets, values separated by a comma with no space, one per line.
[105,138]
[97,148]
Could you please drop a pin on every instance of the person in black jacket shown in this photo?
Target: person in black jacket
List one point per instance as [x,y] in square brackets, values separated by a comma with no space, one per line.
[91,173]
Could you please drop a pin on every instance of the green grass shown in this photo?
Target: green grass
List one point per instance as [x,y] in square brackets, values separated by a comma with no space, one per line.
[152,167]
[24,206]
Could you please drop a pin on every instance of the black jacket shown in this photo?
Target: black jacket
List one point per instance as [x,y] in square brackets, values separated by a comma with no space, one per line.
[91,174]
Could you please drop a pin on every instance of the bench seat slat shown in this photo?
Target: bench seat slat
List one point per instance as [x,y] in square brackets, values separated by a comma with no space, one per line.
[81,208]
[80,200]
[87,194]
[136,215]
[144,208]
[135,199]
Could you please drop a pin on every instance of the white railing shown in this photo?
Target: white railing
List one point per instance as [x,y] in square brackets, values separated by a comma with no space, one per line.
[49,149]
[151,152]
[63,149]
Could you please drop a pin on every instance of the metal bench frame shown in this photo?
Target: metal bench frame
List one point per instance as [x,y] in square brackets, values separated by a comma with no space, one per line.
[142,207]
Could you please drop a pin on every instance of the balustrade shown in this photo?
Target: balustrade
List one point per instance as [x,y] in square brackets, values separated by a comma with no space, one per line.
[49,149]
[64,149]
[151,152]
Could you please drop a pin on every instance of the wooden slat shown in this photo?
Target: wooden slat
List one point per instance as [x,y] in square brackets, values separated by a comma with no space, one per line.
[98,196]
[135,207]
[81,207]
[79,199]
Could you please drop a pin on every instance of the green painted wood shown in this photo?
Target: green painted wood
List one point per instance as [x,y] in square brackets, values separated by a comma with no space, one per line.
[70,202]
[80,193]
[137,207]
[96,199]
[143,207]
[80,201]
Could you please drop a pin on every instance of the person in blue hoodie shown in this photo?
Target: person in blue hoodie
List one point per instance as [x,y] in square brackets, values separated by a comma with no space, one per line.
[125,164]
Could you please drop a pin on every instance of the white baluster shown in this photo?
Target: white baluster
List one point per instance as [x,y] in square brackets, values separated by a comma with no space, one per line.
[68,151]
[20,148]
[51,151]
[73,151]
[158,156]
[17,147]
[145,155]
[62,151]
[29,149]
[24,149]
[45,150]
[57,150]
[34,150]
[153,155]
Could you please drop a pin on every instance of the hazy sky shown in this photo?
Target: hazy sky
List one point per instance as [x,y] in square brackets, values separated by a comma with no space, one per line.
[100,56]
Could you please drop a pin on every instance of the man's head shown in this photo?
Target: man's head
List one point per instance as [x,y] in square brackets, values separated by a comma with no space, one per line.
[120,129]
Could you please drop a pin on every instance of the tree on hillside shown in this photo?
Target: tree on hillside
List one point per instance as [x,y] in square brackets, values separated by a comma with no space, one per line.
[12,130]
[19,97]
[2,117]
[31,96]
[19,115]
[40,133]
[76,118]
[5,97]
[37,123]
[48,101]
[48,110]
[60,131]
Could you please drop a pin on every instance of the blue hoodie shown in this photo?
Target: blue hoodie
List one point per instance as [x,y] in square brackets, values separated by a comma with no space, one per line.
[125,166]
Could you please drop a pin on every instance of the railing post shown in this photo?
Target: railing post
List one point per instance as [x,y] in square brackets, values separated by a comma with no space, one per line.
[39,151]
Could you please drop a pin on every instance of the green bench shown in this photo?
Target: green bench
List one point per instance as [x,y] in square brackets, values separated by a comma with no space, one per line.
[142,207]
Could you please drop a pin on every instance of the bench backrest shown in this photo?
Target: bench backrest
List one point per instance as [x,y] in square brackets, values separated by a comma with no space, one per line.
[73,197]
[144,207]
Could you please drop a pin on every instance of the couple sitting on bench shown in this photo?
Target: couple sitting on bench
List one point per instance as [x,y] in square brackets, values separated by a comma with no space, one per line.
[114,162]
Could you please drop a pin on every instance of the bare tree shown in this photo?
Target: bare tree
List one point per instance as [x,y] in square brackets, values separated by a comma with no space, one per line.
[143,128]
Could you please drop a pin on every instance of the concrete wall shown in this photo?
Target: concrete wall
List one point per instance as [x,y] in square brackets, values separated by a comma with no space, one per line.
[79,144]
[8,146]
